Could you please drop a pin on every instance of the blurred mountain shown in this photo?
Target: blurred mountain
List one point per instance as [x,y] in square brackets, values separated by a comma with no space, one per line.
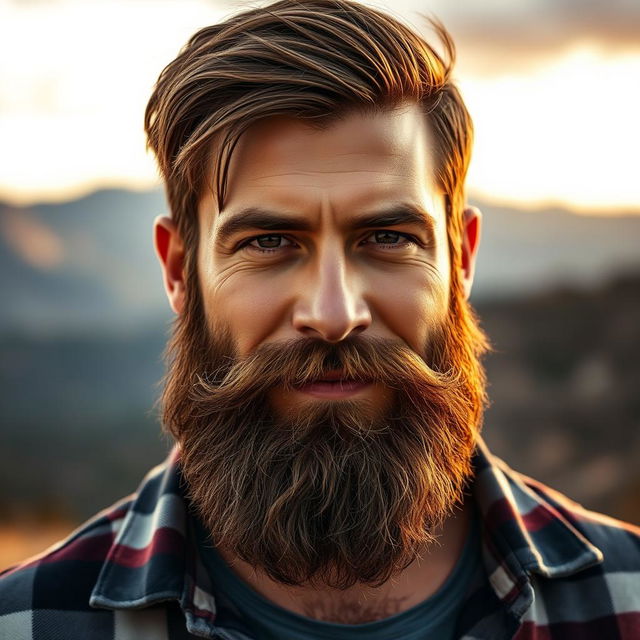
[525,252]
[89,264]
[83,265]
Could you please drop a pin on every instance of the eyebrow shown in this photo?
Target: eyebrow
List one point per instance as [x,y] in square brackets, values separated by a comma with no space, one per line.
[268,220]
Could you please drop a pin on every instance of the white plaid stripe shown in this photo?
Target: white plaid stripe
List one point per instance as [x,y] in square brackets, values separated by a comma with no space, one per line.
[16,626]
[625,590]
[138,529]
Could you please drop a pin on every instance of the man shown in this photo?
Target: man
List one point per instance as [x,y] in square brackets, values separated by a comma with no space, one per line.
[324,383]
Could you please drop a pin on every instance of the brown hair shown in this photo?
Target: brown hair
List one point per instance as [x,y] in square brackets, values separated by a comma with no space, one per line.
[320,495]
[311,60]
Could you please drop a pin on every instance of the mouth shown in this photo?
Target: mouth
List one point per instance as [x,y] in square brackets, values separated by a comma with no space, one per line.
[333,385]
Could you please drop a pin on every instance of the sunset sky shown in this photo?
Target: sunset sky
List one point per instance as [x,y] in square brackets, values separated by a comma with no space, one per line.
[554,92]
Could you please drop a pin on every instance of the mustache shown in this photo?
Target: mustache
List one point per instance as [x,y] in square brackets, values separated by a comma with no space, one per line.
[294,363]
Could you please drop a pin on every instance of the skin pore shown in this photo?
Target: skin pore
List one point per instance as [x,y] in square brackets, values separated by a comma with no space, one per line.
[321,271]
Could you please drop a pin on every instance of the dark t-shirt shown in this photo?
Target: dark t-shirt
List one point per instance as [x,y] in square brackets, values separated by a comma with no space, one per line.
[434,618]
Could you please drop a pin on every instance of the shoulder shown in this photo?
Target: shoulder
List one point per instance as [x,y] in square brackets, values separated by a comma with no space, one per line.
[603,597]
[562,570]
[618,541]
[54,587]
[109,577]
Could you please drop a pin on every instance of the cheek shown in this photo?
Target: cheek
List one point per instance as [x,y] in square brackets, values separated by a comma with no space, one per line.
[412,307]
[251,306]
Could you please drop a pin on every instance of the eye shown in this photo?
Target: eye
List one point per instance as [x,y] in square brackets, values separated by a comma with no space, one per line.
[391,239]
[268,243]
[271,243]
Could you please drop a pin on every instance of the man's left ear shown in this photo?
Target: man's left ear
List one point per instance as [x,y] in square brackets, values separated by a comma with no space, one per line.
[472,224]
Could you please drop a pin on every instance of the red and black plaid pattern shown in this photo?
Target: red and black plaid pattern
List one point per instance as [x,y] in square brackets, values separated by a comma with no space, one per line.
[552,571]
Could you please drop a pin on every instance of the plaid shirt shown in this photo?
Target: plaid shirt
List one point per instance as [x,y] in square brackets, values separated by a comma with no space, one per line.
[133,572]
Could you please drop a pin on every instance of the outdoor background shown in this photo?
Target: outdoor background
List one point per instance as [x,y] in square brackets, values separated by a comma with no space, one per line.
[554,90]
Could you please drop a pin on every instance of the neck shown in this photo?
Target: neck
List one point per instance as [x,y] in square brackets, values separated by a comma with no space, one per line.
[362,603]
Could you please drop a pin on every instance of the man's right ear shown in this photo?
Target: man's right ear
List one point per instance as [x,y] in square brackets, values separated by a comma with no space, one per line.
[170,252]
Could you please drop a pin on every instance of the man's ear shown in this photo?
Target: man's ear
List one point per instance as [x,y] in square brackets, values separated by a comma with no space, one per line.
[472,224]
[170,251]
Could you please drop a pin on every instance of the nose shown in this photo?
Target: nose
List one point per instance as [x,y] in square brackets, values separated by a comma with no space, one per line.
[330,303]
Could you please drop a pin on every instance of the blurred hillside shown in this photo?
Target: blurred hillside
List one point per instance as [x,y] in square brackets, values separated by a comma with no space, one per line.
[564,381]
[85,322]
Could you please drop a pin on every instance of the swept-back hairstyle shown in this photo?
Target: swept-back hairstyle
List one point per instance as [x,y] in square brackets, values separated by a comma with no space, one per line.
[316,60]
[313,60]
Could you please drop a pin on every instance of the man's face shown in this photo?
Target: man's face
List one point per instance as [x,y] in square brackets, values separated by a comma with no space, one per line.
[328,234]
[324,384]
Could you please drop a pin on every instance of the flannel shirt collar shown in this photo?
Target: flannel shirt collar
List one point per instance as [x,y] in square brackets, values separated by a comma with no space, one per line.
[523,532]
[154,556]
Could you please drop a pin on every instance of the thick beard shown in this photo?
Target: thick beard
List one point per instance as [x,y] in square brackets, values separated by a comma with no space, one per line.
[332,495]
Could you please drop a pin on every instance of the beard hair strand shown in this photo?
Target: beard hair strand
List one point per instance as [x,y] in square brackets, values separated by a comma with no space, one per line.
[327,493]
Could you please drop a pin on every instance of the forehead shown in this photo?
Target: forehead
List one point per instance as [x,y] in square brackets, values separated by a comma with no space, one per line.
[358,161]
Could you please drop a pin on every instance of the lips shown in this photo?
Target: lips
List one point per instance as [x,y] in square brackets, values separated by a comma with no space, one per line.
[333,385]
